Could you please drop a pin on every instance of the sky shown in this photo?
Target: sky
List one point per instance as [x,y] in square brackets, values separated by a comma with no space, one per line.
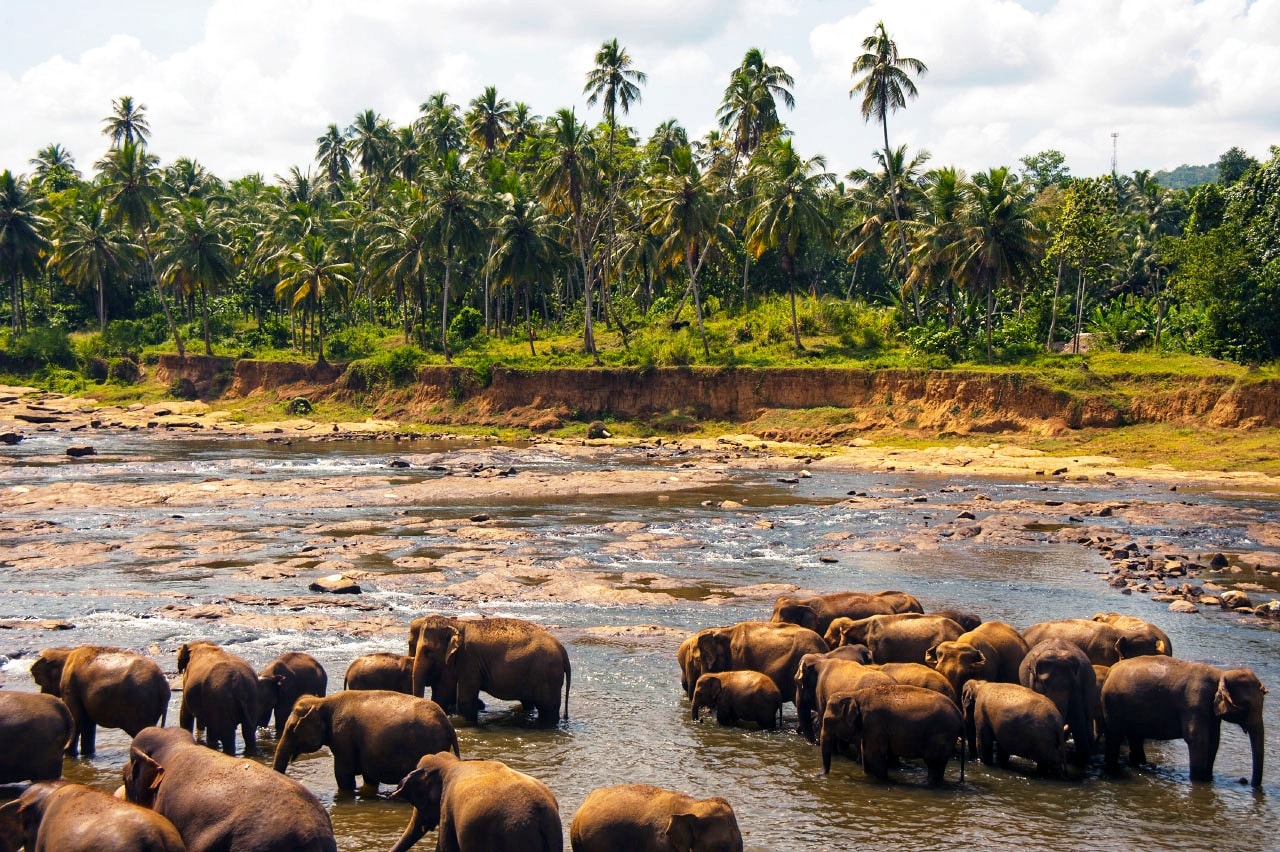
[247,85]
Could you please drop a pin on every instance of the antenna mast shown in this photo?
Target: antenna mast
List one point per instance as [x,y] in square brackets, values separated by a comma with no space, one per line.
[1115,137]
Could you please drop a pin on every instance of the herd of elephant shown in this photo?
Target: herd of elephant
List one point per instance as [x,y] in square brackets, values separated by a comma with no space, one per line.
[868,673]
[872,674]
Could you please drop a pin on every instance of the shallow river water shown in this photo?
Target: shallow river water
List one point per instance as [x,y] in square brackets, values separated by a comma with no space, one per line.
[629,721]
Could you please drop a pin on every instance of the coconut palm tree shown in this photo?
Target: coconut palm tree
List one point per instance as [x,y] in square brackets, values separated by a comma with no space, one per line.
[441,128]
[886,86]
[938,237]
[55,169]
[456,215]
[788,213]
[127,123]
[193,253]
[666,138]
[307,275]
[87,248]
[400,251]
[333,155]
[372,144]
[22,239]
[526,248]
[750,104]
[489,120]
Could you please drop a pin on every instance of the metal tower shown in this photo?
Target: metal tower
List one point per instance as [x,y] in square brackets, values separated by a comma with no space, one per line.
[1115,137]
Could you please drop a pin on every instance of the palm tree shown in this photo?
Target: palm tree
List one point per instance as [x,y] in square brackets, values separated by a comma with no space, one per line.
[127,123]
[372,144]
[489,121]
[407,154]
[22,239]
[88,247]
[307,274]
[938,237]
[455,211]
[565,181]
[526,248]
[333,155]
[666,138]
[55,168]
[440,126]
[186,178]
[193,253]
[400,251]
[871,201]
[1001,241]
[750,103]
[788,213]
[886,86]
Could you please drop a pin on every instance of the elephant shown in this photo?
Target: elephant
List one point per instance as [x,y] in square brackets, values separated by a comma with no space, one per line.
[1138,625]
[1003,719]
[739,695]
[918,674]
[444,681]
[36,729]
[1160,698]
[219,693]
[967,620]
[58,816]
[382,670]
[991,651]
[1060,671]
[283,680]
[220,803]
[816,613]
[902,638]
[509,658]
[644,818]
[480,805]
[770,647]
[1105,644]
[818,677]
[110,687]
[894,721]
[1100,674]
[376,734]
[690,665]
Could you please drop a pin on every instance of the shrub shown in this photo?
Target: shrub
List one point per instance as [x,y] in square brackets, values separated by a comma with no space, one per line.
[389,369]
[123,370]
[272,334]
[357,341]
[43,346]
[465,325]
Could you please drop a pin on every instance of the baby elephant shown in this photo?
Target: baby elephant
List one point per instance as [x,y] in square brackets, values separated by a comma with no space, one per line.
[642,817]
[34,729]
[894,721]
[376,734]
[381,670]
[1002,719]
[739,695]
[479,804]
[57,816]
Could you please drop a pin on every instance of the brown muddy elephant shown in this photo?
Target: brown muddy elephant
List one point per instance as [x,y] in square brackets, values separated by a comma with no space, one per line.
[58,816]
[110,687]
[283,681]
[817,613]
[479,804]
[1160,698]
[220,803]
[739,696]
[1104,644]
[918,674]
[645,818]
[376,734]
[894,721]
[381,670]
[770,647]
[1137,625]
[509,658]
[1003,719]
[219,694]
[35,729]
[902,638]
[991,651]
[818,677]
[1060,671]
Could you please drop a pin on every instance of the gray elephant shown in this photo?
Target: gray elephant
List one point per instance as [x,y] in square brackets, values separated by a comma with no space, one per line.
[58,816]
[902,638]
[818,677]
[894,721]
[739,696]
[817,613]
[479,804]
[769,647]
[219,694]
[645,818]
[283,681]
[991,651]
[376,734]
[509,658]
[110,687]
[220,803]
[381,670]
[1060,671]
[1003,719]
[1105,644]
[35,730]
[1160,698]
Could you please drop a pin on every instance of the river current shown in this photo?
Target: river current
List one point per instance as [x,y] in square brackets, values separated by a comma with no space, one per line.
[629,721]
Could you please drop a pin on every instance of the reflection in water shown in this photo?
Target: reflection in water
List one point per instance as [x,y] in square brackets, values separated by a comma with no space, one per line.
[629,721]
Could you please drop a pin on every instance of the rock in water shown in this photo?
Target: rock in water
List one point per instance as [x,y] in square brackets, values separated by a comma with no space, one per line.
[81,452]
[335,584]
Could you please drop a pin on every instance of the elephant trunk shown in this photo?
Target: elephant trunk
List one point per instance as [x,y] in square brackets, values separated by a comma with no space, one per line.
[424,673]
[284,754]
[828,742]
[413,832]
[1256,742]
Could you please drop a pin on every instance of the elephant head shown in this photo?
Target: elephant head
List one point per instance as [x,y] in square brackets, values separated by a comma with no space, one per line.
[709,826]
[1140,643]
[957,662]
[795,612]
[423,788]
[46,671]
[1239,701]
[433,646]
[713,651]
[847,631]
[842,722]
[268,696]
[21,823]
[307,730]
[706,693]
[142,778]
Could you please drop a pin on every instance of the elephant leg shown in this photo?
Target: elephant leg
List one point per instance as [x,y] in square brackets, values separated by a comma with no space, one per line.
[724,715]
[1002,757]
[1081,735]
[88,737]
[1137,754]
[249,731]
[1113,751]
[280,717]
[986,746]
[548,714]
[468,704]
[344,772]
[937,771]
[1202,749]
[186,719]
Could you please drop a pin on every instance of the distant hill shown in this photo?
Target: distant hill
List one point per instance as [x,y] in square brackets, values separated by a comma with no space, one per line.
[1185,177]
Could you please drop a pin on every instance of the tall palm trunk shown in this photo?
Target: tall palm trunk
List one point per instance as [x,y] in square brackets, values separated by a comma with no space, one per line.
[444,305]
[204,321]
[1075,342]
[102,304]
[164,302]
[789,267]
[1053,313]
[897,217]
[697,299]
[528,318]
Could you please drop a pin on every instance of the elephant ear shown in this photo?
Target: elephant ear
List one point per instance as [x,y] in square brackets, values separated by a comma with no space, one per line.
[931,657]
[1232,700]
[456,643]
[184,657]
[423,788]
[11,838]
[142,778]
[682,830]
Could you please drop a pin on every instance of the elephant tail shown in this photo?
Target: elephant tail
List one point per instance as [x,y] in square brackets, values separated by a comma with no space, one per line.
[568,679]
[963,747]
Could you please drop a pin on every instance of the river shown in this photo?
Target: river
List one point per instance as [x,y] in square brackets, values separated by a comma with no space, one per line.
[684,559]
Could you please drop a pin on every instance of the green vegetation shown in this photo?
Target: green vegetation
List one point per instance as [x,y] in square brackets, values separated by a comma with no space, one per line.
[493,235]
